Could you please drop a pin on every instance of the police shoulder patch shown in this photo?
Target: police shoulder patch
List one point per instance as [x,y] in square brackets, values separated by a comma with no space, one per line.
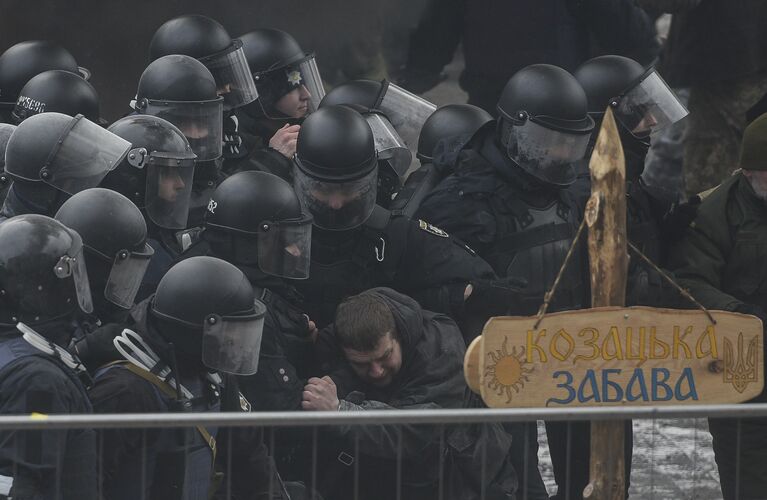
[429,228]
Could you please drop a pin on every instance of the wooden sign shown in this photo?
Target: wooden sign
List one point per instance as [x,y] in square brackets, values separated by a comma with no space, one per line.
[618,356]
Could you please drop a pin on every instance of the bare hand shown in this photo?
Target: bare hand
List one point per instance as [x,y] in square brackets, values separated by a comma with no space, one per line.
[312,326]
[284,140]
[320,395]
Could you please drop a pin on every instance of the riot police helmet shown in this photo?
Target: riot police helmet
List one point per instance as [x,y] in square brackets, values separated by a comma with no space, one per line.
[451,121]
[543,123]
[180,89]
[640,99]
[335,172]
[206,40]
[42,270]
[407,112]
[67,153]
[20,62]
[255,218]
[207,309]
[287,78]
[157,173]
[114,237]
[59,91]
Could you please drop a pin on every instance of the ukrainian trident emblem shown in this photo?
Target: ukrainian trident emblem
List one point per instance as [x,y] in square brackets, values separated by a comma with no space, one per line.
[740,370]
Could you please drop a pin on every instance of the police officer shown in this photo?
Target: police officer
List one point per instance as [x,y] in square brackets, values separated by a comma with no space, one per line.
[720,261]
[507,201]
[182,90]
[20,62]
[355,243]
[206,40]
[443,135]
[114,238]
[52,156]
[255,222]
[203,322]
[157,177]
[59,91]
[43,288]
[642,104]
[289,87]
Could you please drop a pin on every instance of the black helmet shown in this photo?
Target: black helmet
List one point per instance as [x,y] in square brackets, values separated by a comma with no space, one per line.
[114,236]
[407,112]
[280,66]
[449,121]
[206,40]
[6,130]
[19,63]
[336,174]
[157,173]
[544,123]
[42,270]
[180,89]
[59,91]
[256,218]
[207,308]
[68,153]
[641,100]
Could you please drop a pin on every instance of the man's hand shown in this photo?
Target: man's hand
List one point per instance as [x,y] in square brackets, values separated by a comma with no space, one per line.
[313,331]
[284,140]
[320,395]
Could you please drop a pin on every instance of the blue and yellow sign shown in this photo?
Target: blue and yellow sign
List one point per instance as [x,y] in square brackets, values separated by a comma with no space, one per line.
[617,356]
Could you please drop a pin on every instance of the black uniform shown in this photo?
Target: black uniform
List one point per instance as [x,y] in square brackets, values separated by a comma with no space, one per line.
[176,463]
[523,228]
[255,152]
[56,464]
[389,249]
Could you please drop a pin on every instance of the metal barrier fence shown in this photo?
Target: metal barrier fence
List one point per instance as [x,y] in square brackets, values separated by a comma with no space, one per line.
[672,448]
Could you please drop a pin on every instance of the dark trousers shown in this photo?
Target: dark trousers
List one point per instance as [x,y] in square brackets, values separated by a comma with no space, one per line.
[570,450]
[740,450]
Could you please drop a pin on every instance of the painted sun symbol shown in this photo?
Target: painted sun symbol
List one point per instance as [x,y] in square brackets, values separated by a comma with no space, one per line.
[507,371]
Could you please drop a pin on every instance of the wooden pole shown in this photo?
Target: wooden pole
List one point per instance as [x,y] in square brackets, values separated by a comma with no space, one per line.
[608,261]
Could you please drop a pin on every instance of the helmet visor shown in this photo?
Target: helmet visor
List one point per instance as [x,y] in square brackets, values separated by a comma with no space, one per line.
[73,265]
[407,113]
[83,156]
[126,276]
[231,344]
[389,144]
[337,206]
[232,74]
[648,106]
[291,91]
[168,193]
[201,123]
[545,153]
[284,248]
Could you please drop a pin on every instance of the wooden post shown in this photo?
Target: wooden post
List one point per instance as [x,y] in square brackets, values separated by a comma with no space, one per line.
[606,219]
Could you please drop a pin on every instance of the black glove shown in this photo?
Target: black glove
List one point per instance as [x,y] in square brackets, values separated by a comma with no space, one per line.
[419,81]
[679,217]
[488,298]
[96,349]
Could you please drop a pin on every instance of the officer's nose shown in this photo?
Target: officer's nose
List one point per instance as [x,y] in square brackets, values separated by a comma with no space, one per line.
[336,201]
[304,93]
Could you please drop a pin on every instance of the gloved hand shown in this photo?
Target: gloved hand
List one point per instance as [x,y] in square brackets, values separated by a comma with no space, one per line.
[488,298]
[96,348]
[419,81]
[676,220]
